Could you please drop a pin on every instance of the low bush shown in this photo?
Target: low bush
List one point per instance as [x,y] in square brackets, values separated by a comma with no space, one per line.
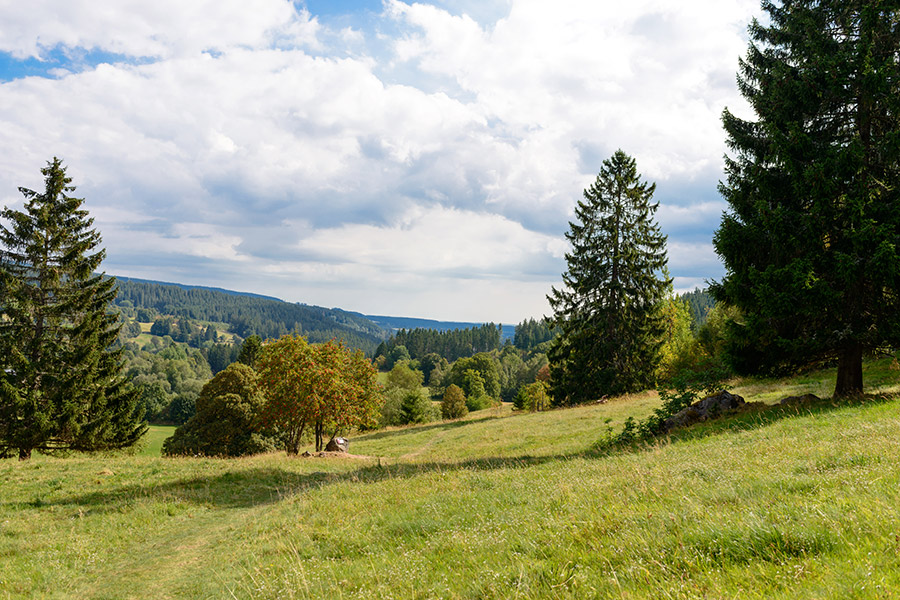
[453,406]
[227,419]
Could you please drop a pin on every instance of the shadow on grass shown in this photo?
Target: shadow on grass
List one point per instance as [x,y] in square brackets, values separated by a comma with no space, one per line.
[442,426]
[259,486]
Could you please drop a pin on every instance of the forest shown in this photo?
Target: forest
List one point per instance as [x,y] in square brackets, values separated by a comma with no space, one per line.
[247,314]
[174,339]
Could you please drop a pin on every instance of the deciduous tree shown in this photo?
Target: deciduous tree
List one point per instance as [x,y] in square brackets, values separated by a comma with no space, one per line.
[227,420]
[323,386]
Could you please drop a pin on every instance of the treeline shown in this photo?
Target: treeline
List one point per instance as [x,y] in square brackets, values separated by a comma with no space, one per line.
[531,333]
[700,303]
[250,315]
[450,345]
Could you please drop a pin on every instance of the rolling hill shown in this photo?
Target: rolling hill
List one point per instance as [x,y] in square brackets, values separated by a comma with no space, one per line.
[776,503]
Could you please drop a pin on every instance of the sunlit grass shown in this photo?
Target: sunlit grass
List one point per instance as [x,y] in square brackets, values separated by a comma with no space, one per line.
[151,444]
[782,504]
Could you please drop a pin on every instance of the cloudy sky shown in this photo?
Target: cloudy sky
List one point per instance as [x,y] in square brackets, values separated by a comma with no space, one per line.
[399,158]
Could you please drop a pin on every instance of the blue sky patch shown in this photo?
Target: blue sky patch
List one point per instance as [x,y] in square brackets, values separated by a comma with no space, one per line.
[60,58]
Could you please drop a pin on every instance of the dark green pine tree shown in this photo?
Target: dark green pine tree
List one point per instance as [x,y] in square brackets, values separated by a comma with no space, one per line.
[607,312]
[61,387]
[811,240]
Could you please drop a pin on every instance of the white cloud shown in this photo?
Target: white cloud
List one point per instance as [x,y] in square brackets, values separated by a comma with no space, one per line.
[440,241]
[160,29]
[311,163]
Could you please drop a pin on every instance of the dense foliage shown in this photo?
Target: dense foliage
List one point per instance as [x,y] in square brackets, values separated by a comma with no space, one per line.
[531,333]
[810,243]
[249,315]
[327,387]
[607,312]
[227,422]
[700,302]
[61,387]
[478,377]
[453,404]
[169,381]
[453,344]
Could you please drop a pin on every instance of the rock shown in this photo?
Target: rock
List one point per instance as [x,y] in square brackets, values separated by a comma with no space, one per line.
[306,454]
[708,408]
[337,444]
[799,400]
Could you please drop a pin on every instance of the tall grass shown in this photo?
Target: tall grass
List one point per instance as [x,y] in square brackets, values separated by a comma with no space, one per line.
[789,503]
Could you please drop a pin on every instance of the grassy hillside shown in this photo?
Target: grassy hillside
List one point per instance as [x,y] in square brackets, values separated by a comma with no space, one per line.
[798,503]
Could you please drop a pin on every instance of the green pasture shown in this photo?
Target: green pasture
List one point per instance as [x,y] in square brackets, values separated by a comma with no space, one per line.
[794,502]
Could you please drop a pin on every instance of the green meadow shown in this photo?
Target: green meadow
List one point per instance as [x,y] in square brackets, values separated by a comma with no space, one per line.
[776,502]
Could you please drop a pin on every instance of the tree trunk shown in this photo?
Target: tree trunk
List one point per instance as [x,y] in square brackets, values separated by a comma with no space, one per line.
[24,453]
[849,374]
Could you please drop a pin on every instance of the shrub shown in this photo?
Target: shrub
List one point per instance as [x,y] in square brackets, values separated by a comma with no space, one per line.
[417,408]
[474,403]
[403,407]
[533,397]
[453,406]
[227,419]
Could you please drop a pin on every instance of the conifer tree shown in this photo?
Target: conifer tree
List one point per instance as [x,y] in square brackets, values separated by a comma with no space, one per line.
[811,243]
[61,387]
[608,311]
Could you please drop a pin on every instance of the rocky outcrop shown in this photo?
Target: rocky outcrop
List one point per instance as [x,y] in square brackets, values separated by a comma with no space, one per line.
[337,444]
[702,410]
[799,400]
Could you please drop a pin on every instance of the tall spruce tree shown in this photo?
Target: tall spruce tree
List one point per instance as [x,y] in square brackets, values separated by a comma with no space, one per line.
[811,240]
[608,311]
[61,387]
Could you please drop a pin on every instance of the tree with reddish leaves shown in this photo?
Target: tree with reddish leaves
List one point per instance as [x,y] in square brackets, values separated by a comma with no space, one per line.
[328,388]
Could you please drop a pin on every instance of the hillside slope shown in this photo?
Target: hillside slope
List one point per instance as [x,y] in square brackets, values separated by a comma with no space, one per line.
[780,504]
[250,314]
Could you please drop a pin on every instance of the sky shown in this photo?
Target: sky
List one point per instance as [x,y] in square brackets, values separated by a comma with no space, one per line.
[392,158]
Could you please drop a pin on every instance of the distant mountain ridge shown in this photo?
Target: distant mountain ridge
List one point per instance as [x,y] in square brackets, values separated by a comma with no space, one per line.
[269,316]
[249,314]
[185,286]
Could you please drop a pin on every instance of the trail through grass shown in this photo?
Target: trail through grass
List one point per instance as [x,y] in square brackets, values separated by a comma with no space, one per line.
[791,503]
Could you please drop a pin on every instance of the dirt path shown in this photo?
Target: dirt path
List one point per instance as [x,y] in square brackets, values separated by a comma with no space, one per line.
[418,452]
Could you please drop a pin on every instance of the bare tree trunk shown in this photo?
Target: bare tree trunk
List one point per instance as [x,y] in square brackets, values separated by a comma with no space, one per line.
[320,430]
[849,373]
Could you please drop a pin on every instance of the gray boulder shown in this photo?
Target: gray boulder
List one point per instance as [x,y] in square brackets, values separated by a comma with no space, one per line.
[702,410]
[337,444]
[799,400]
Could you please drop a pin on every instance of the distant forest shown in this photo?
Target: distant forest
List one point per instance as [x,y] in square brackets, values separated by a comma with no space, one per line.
[252,315]
[451,345]
[700,303]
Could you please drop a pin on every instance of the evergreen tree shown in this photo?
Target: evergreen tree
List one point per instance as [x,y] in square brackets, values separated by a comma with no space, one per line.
[61,387]
[250,350]
[608,311]
[810,243]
